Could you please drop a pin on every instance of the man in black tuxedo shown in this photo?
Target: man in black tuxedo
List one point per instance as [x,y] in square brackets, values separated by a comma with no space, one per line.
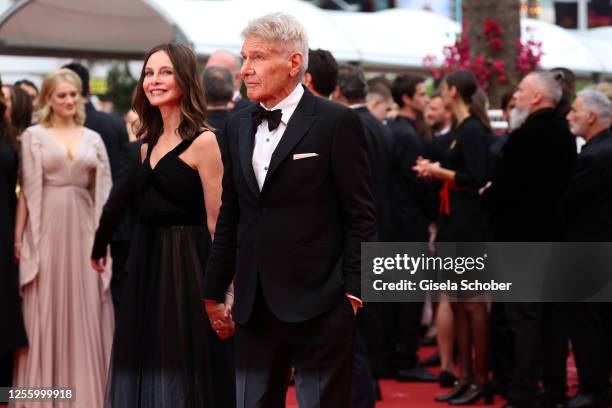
[297,204]
[411,210]
[113,131]
[218,89]
[524,201]
[588,211]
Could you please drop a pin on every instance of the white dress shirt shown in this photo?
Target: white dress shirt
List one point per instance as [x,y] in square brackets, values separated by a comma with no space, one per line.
[266,141]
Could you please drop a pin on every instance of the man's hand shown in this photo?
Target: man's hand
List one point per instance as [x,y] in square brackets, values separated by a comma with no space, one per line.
[220,318]
[355,303]
[484,188]
[99,264]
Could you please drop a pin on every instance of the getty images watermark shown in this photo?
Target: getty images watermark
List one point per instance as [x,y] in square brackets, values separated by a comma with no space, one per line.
[495,271]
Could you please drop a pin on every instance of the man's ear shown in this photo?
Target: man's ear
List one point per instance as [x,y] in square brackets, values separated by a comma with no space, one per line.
[406,100]
[591,117]
[336,95]
[296,60]
[307,80]
[537,98]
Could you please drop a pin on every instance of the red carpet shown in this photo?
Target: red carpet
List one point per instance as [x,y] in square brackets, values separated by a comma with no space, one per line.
[420,395]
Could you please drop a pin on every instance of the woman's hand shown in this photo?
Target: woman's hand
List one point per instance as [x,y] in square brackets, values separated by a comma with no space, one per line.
[425,168]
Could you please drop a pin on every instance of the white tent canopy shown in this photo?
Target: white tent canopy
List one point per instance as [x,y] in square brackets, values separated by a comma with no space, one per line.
[109,28]
[387,40]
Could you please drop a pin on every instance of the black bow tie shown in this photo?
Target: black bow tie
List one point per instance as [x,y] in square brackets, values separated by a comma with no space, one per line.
[272,116]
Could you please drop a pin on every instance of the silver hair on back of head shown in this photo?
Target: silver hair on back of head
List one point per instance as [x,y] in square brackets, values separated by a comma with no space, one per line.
[283,29]
[597,102]
[550,88]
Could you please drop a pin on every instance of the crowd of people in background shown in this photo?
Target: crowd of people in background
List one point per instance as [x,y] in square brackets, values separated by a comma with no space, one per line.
[440,173]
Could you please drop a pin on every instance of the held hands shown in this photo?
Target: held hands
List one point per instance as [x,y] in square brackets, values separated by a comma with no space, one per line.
[220,316]
[425,168]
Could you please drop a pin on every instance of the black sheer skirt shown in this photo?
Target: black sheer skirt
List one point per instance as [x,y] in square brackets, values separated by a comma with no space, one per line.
[165,354]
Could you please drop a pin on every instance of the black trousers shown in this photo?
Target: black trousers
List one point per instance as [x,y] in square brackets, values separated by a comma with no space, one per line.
[402,325]
[555,347]
[363,389]
[524,323]
[320,349]
[6,370]
[587,331]
[502,347]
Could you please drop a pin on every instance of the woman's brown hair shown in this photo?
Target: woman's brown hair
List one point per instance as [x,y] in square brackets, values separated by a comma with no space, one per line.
[465,84]
[21,111]
[192,104]
[6,132]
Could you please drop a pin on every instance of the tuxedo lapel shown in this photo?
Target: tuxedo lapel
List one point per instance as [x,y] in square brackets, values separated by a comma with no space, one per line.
[246,140]
[302,119]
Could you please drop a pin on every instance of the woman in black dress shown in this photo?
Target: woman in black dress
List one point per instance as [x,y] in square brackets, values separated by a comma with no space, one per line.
[461,219]
[11,320]
[165,353]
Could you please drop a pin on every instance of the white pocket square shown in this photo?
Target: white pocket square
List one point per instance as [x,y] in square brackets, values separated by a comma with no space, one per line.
[304,155]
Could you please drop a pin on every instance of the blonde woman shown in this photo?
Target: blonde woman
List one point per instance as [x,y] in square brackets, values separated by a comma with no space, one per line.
[67,309]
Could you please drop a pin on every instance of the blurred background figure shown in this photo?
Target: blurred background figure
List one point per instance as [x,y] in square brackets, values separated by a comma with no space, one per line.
[322,73]
[131,121]
[31,89]
[351,91]
[218,91]
[11,321]
[587,204]
[67,307]
[379,100]
[567,79]
[232,62]
[114,134]
[463,171]
[18,108]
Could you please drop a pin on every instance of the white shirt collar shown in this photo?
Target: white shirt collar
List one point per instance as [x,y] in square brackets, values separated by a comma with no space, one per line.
[288,105]
[357,105]
[444,131]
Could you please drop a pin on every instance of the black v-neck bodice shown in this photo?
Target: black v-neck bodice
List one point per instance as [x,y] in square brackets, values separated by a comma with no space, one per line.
[171,193]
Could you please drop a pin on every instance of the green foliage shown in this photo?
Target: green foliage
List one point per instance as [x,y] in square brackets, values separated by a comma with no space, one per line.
[121,85]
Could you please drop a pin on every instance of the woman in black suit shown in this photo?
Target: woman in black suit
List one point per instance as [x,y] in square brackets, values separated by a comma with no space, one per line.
[463,172]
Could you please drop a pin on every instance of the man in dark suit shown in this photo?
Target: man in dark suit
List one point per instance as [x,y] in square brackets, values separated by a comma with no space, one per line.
[113,131]
[351,90]
[524,201]
[218,90]
[322,73]
[120,208]
[297,204]
[230,61]
[411,210]
[588,211]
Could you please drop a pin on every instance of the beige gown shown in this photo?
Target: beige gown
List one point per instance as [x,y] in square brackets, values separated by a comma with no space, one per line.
[67,307]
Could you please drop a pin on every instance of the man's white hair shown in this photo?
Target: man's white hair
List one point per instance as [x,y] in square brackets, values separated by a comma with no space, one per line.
[284,30]
[597,102]
[548,86]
